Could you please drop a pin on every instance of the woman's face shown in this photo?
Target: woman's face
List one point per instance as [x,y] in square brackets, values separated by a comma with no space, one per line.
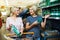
[16,12]
[31,11]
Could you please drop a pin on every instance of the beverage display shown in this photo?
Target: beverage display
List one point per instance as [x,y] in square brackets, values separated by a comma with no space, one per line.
[55,12]
[52,2]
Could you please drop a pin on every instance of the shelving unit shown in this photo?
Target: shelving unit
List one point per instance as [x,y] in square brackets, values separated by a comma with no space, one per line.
[51,7]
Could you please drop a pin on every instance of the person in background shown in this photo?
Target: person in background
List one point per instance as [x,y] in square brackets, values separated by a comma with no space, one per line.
[0,26]
[32,24]
[0,20]
[1,35]
[14,20]
[23,12]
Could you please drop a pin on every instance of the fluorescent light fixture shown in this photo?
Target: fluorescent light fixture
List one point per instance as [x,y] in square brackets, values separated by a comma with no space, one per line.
[3,13]
[6,2]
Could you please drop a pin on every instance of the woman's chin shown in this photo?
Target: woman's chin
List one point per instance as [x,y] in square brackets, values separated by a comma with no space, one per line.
[17,14]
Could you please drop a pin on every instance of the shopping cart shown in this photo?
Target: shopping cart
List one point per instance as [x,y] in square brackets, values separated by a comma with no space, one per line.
[14,37]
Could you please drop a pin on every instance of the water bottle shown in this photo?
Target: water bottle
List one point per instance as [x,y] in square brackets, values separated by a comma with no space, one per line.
[16,31]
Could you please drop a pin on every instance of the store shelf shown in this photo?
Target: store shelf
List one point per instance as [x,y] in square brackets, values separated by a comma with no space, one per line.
[51,6]
[53,18]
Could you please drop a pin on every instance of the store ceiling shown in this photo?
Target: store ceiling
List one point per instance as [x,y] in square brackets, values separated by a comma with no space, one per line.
[21,3]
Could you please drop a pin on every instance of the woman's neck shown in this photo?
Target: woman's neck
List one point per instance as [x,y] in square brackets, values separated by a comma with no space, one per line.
[34,15]
[14,16]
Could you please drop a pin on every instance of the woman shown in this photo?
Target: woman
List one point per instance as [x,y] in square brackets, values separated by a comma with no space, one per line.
[32,23]
[0,26]
[14,20]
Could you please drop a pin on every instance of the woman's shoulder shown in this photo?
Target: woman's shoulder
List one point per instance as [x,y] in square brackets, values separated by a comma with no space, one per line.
[8,18]
[39,16]
[29,16]
[19,17]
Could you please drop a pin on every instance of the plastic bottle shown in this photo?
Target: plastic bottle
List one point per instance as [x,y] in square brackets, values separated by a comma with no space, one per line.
[16,31]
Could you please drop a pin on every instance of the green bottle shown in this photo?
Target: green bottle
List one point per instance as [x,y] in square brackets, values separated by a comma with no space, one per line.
[16,31]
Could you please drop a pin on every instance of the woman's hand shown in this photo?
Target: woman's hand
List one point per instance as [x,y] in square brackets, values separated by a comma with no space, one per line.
[34,23]
[21,31]
[46,16]
[44,23]
[9,27]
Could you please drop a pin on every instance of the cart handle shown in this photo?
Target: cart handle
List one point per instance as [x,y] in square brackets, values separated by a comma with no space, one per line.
[29,33]
[9,34]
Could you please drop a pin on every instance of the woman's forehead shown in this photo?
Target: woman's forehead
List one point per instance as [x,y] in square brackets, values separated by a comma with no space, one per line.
[16,9]
[30,9]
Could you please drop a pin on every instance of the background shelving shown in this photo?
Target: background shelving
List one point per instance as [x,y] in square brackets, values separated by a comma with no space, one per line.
[51,7]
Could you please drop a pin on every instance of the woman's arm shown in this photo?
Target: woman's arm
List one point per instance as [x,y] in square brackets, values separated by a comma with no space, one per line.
[21,25]
[8,27]
[44,23]
[27,26]
[32,25]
